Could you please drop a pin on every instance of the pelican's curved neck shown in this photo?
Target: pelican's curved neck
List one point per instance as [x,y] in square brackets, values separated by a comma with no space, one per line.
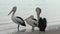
[13,14]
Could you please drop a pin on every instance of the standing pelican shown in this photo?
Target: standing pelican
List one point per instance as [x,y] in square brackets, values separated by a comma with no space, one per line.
[18,20]
[32,21]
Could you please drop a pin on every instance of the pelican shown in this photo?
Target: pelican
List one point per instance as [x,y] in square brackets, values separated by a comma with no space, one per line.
[16,19]
[32,21]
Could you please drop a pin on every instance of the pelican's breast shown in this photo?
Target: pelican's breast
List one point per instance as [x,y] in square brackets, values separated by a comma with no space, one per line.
[14,19]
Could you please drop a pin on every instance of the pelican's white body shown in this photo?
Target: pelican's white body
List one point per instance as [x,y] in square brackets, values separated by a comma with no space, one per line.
[15,19]
[31,22]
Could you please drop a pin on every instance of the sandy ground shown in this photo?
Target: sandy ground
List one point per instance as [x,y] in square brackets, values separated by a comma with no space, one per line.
[27,30]
[52,31]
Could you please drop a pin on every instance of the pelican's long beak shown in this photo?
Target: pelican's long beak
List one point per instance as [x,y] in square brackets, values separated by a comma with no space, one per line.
[13,10]
[10,12]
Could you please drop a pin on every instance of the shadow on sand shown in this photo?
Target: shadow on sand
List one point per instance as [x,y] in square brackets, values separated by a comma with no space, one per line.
[20,32]
[24,31]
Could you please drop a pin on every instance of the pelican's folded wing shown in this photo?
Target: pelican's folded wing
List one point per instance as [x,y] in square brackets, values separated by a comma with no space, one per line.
[19,19]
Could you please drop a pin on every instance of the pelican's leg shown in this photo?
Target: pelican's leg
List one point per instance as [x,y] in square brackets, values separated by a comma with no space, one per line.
[18,27]
[32,28]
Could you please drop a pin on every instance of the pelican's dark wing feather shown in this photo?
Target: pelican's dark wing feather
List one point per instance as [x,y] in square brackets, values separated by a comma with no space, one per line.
[35,24]
[20,21]
[20,18]
[34,19]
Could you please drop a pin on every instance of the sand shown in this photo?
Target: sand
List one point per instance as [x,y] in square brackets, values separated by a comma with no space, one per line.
[52,31]
[27,30]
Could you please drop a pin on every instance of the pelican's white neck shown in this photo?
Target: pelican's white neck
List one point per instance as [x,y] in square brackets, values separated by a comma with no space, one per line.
[13,14]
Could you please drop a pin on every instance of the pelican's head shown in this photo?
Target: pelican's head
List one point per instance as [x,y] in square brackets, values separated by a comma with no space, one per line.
[38,10]
[13,10]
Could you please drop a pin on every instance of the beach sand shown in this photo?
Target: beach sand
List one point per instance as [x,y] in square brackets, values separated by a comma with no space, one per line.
[27,30]
[52,31]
